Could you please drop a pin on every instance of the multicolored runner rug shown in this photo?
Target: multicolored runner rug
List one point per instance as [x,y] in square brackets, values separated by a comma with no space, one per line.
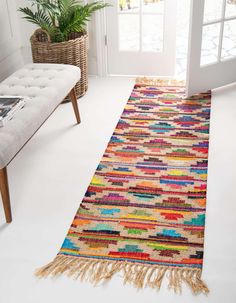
[144,211]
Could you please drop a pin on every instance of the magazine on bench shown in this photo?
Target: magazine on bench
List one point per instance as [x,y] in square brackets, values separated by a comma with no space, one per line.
[9,106]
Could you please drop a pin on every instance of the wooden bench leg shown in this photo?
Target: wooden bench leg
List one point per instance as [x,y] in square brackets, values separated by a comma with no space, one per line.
[5,194]
[75,105]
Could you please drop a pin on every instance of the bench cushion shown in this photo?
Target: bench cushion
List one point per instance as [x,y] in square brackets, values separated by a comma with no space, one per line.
[43,86]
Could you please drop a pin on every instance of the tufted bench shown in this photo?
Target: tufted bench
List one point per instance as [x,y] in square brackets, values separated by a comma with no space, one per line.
[44,86]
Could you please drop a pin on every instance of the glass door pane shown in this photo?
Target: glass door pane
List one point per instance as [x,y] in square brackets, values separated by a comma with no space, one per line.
[229,40]
[129,32]
[152,33]
[141,25]
[153,6]
[210,43]
[230,8]
[213,10]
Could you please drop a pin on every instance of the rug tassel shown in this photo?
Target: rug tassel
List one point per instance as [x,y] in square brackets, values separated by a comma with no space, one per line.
[159,81]
[139,275]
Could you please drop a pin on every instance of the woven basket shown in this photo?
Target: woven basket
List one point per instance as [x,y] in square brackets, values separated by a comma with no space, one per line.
[73,51]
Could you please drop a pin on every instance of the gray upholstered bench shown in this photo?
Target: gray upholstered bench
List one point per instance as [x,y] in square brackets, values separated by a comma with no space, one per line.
[44,86]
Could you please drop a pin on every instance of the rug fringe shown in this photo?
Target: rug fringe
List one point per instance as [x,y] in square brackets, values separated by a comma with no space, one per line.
[139,275]
[159,81]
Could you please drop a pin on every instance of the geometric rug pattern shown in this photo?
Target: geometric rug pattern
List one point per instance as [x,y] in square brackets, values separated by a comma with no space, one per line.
[144,210]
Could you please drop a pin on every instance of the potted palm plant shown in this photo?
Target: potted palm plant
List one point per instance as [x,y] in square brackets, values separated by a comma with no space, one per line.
[62,37]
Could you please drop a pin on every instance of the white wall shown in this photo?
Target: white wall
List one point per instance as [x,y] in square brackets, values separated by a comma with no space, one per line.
[26,29]
[10,40]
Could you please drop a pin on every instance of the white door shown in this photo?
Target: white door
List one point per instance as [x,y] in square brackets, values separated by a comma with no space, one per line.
[141,37]
[212,45]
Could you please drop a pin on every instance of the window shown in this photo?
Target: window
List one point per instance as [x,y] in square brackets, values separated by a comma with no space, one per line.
[219,31]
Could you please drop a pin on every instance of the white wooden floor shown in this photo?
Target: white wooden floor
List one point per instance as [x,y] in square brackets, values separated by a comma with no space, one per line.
[50,176]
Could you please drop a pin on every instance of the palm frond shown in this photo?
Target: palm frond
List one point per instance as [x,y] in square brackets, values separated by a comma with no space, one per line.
[39,17]
[76,23]
[79,17]
[94,6]
[66,6]
[48,6]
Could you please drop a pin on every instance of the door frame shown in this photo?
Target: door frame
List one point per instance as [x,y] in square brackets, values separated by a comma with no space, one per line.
[101,45]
